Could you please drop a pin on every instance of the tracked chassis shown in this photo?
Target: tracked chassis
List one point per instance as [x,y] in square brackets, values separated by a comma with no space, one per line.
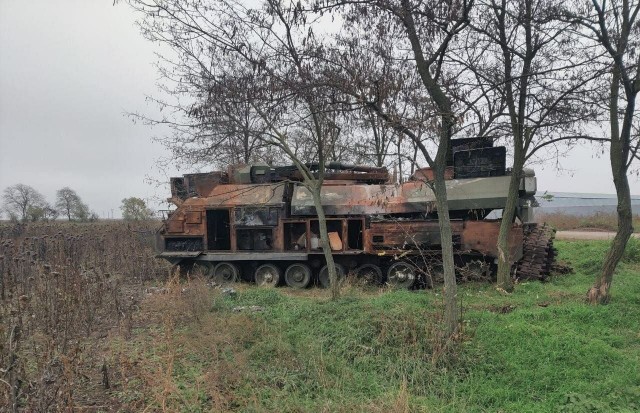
[538,253]
[259,223]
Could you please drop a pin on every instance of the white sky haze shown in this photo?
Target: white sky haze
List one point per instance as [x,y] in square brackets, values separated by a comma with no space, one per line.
[71,69]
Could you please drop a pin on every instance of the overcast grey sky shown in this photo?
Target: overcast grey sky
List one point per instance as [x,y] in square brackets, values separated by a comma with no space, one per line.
[70,69]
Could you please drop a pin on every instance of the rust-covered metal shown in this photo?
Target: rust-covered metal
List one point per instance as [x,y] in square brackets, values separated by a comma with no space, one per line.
[394,235]
[239,195]
[482,236]
[413,197]
[191,185]
[428,174]
[260,216]
[538,253]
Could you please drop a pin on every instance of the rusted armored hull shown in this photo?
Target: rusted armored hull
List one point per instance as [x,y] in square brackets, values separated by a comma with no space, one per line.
[373,224]
[260,222]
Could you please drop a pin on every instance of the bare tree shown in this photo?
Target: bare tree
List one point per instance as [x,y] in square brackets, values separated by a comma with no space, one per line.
[70,204]
[200,137]
[534,63]
[613,25]
[410,39]
[19,198]
[259,59]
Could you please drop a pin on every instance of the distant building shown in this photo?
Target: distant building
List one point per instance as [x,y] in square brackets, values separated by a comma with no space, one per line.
[581,204]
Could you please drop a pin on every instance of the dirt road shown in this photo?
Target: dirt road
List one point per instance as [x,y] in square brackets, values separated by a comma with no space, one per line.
[587,235]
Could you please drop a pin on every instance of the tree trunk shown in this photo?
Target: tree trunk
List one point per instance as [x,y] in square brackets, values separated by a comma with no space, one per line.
[446,129]
[599,292]
[618,155]
[451,312]
[508,214]
[324,242]
[450,293]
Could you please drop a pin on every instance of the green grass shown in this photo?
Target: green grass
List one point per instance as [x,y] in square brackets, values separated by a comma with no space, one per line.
[381,351]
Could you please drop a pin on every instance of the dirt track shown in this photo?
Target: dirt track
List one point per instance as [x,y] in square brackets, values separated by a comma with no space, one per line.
[587,235]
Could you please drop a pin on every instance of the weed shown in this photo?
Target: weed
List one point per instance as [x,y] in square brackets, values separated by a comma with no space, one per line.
[62,287]
[71,313]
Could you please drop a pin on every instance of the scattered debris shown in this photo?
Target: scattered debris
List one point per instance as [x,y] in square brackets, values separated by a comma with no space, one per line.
[504,309]
[561,268]
[230,292]
[156,290]
[251,308]
[502,291]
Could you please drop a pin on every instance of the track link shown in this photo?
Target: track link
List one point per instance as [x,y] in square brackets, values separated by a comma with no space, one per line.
[538,253]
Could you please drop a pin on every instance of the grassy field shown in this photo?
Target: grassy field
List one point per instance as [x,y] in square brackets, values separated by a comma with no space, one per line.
[540,349]
[183,346]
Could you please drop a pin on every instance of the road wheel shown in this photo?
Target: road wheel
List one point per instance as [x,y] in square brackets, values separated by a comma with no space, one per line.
[202,268]
[369,274]
[401,275]
[475,270]
[226,273]
[298,275]
[323,275]
[267,275]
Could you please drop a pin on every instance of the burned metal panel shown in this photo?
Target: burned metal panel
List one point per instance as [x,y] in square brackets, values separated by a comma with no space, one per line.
[255,239]
[256,216]
[159,240]
[482,236]
[359,200]
[278,237]
[478,193]
[179,254]
[428,174]
[194,229]
[186,220]
[253,256]
[226,196]
[200,184]
[405,235]
[238,195]
[193,217]
[410,197]
[175,225]
[184,244]
[484,162]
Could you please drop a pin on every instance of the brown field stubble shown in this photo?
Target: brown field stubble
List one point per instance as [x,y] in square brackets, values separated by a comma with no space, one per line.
[597,222]
[64,288]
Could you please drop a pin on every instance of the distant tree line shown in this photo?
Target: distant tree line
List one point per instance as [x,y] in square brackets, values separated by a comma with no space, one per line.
[25,204]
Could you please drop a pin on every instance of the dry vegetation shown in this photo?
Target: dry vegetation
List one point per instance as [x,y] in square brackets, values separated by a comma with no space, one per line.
[64,288]
[270,350]
[600,221]
[91,321]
